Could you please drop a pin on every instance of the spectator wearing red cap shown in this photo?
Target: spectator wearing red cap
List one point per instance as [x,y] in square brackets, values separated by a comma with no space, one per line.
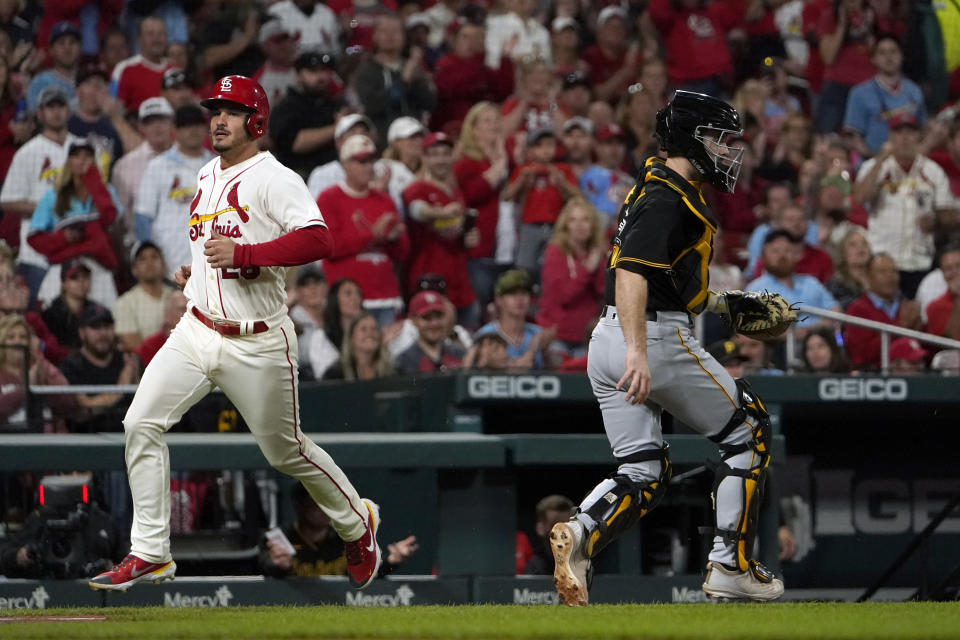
[907,357]
[65,55]
[907,195]
[441,227]
[370,233]
[605,184]
[141,76]
[481,168]
[540,187]
[62,316]
[463,79]
[694,33]
[432,352]
[943,314]
[573,276]
[615,61]
[883,302]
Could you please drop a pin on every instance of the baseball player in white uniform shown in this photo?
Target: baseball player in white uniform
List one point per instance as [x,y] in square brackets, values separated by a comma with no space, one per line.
[250,219]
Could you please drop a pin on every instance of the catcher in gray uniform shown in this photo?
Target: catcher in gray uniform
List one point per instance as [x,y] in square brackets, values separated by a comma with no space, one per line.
[643,358]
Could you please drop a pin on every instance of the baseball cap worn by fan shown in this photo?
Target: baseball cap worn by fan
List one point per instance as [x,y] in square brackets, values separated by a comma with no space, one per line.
[50,95]
[155,108]
[513,281]
[92,70]
[348,122]
[425,302]
[71,267]
[537,135]
[357,147]
[189,115]
[908,349]
[405,127]
[80,143]
[310,274]
[62,29]
[578,122]
[313,60]
[564,22]
[612,11]
[174,78]
[726,352]
[95,316]
[904,119]
[438,137]
[271,29]
[611,132]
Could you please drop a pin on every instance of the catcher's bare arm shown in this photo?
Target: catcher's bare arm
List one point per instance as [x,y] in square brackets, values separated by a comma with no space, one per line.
[631,292]
[761,315]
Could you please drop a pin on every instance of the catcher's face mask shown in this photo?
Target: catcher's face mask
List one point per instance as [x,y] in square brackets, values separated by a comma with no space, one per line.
[727,159]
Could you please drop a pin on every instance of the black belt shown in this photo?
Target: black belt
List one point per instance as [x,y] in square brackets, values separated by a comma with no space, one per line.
[609,312]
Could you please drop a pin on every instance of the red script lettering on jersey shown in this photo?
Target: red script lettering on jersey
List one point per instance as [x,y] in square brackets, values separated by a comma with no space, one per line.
[233,201]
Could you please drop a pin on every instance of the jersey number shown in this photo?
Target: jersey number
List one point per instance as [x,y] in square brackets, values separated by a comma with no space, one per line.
[248,273]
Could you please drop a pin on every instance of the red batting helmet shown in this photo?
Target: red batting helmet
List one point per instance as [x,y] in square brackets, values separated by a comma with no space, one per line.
[245,92]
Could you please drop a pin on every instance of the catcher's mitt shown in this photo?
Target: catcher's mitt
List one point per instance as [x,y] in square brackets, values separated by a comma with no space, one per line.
[761,315]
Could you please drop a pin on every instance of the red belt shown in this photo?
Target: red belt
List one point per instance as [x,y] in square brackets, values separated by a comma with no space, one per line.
[229,328]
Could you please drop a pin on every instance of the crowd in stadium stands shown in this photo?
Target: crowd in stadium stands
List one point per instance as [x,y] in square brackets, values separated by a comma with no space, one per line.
[470,158]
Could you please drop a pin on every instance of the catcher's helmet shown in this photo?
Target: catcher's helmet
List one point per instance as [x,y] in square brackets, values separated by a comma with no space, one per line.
[698,127]
[245,92]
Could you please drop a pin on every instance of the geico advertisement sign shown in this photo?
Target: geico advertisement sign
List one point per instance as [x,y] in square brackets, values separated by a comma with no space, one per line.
[506,387]
[220,598]
[36,600]
[847,505]
[884,389]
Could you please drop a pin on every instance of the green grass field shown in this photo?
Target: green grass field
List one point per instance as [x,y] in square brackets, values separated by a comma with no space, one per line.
[807,621]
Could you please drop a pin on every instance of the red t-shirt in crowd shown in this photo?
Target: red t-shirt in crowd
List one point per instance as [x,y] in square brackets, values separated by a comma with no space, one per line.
[136,79]
[853,64]
[571,295]
[601,68]
[938,312]
[463,82]
[482,197]
[862,344]
[543,200]
[151,345]
[356,254]
[696,40]
[436,246]
[943,158]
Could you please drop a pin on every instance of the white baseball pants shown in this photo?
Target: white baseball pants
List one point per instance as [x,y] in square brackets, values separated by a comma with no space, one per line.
[258,373]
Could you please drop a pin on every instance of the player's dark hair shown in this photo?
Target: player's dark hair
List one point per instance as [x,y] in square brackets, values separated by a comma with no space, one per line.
[332,315]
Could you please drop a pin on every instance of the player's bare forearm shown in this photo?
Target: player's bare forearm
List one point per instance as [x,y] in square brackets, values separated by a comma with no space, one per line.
[631,294]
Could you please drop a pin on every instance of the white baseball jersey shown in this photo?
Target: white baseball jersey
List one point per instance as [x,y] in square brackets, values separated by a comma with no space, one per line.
[903,197]
[34,170]
[166,191]
[317,31]
[253,202]
[324,177]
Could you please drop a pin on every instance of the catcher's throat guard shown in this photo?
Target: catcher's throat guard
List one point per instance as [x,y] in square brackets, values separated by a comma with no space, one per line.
[750,479]
[617,503]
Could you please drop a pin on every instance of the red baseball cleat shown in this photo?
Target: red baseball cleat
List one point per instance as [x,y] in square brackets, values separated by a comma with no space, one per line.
[131,571]
[363,555]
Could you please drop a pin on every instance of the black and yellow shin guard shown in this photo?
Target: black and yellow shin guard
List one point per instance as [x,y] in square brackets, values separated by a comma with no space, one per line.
[617,503]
